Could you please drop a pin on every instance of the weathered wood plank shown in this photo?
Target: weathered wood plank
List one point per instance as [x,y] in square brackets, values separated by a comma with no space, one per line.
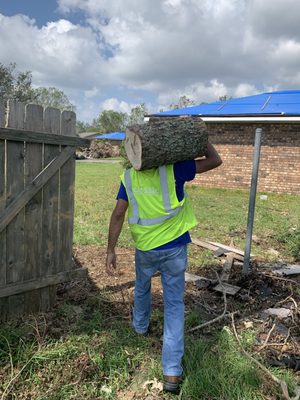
[197,279]
[15,116]
[227,267]
[2,206]
[2,113]
[227,288]
[40,137]
[287,270]
[66,207]
[2,199]
[44,281]
[50,209]
[15,251]
[34,187]
[228,248]
[68,123]
[33,210]
[52,121]
[3,302]
[203,243]
[219,248]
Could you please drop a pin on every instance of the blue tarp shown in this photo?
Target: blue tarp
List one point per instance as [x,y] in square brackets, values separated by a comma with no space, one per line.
[272,103]
[112,136]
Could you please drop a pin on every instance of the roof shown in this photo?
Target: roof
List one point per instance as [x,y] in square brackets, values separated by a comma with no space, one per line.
[112,136]
[277,103]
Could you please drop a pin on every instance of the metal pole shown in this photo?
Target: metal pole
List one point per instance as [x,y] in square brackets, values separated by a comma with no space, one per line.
[251,209]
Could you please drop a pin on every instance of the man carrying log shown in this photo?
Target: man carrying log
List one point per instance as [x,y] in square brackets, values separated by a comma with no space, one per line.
[159,216]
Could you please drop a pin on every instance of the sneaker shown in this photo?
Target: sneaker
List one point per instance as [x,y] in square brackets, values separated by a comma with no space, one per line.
[145,334]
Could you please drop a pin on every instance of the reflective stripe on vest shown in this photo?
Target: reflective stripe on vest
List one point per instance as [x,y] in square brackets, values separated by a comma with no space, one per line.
[135,219]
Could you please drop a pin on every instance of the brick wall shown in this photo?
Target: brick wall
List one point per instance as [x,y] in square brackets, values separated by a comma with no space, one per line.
[279,169]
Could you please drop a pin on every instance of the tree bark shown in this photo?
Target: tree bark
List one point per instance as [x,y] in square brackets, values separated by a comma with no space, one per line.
[165,140]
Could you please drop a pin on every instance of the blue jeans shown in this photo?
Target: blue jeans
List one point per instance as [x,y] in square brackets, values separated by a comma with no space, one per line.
[172,264]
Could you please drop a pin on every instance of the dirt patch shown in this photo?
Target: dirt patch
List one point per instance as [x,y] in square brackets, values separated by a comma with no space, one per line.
[260,290]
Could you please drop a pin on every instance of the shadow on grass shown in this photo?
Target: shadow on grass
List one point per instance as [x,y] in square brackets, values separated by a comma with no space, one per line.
[83,348]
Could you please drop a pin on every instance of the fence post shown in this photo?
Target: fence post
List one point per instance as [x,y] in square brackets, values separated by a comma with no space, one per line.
[50,256]
[252,198]
[67,182]
[15,248]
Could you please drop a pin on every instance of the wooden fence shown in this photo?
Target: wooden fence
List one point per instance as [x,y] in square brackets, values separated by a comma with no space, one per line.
[37,173]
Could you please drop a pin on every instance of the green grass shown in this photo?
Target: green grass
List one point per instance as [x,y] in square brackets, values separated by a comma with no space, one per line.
[100,355]
[221,213]
[215,369]
[96,190]
[94,359]
[86,349]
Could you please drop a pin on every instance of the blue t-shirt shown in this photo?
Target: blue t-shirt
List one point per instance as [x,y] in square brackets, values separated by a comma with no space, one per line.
[184,171]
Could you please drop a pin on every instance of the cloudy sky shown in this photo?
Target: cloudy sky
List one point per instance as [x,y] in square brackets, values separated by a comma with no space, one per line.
[115,54]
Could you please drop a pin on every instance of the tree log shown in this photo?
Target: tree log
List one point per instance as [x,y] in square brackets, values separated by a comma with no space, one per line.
[165,140]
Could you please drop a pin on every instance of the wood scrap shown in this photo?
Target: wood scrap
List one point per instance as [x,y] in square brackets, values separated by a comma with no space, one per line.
[229,248]
[280,313]
[212,321]
[287,270]
[205,244]
[199,281]
[227,267]
[219,249]
[227,288]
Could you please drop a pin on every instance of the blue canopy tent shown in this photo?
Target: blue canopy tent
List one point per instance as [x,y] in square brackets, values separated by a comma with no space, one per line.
[278,106]
[112,136]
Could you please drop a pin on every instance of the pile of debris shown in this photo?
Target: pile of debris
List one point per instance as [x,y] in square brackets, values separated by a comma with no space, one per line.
[267,300]
[99,149]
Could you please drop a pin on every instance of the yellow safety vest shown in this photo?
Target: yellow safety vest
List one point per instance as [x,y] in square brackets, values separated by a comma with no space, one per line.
[155,215]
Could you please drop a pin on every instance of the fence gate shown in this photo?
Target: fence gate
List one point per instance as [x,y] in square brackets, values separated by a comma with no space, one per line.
[37,175]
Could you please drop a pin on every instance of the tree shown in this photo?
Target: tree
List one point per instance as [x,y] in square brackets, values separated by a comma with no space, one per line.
[225,97]
[110,121]
[184,101]
[52,97]
[83,126]
[137,114]
[14,84]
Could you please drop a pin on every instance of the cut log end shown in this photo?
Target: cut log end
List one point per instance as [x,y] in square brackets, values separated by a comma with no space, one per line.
[133,148]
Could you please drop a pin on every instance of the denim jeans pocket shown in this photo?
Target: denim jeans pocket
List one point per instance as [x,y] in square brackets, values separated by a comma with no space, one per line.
[174,261]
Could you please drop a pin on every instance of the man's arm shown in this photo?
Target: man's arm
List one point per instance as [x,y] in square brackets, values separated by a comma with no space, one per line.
[212,160]
[115,227]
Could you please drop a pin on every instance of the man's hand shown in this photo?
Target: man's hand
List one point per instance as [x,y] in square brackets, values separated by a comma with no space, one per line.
[111,263]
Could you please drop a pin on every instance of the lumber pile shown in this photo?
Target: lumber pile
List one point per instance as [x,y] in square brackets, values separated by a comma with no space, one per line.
[232,254]
[165,140]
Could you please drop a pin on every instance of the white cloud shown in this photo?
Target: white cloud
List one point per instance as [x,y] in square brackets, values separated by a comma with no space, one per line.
[275,19]
[198,92]
[244,89]
[91,93]
[60,53]
[174,43]
[116,105]
[167,48]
